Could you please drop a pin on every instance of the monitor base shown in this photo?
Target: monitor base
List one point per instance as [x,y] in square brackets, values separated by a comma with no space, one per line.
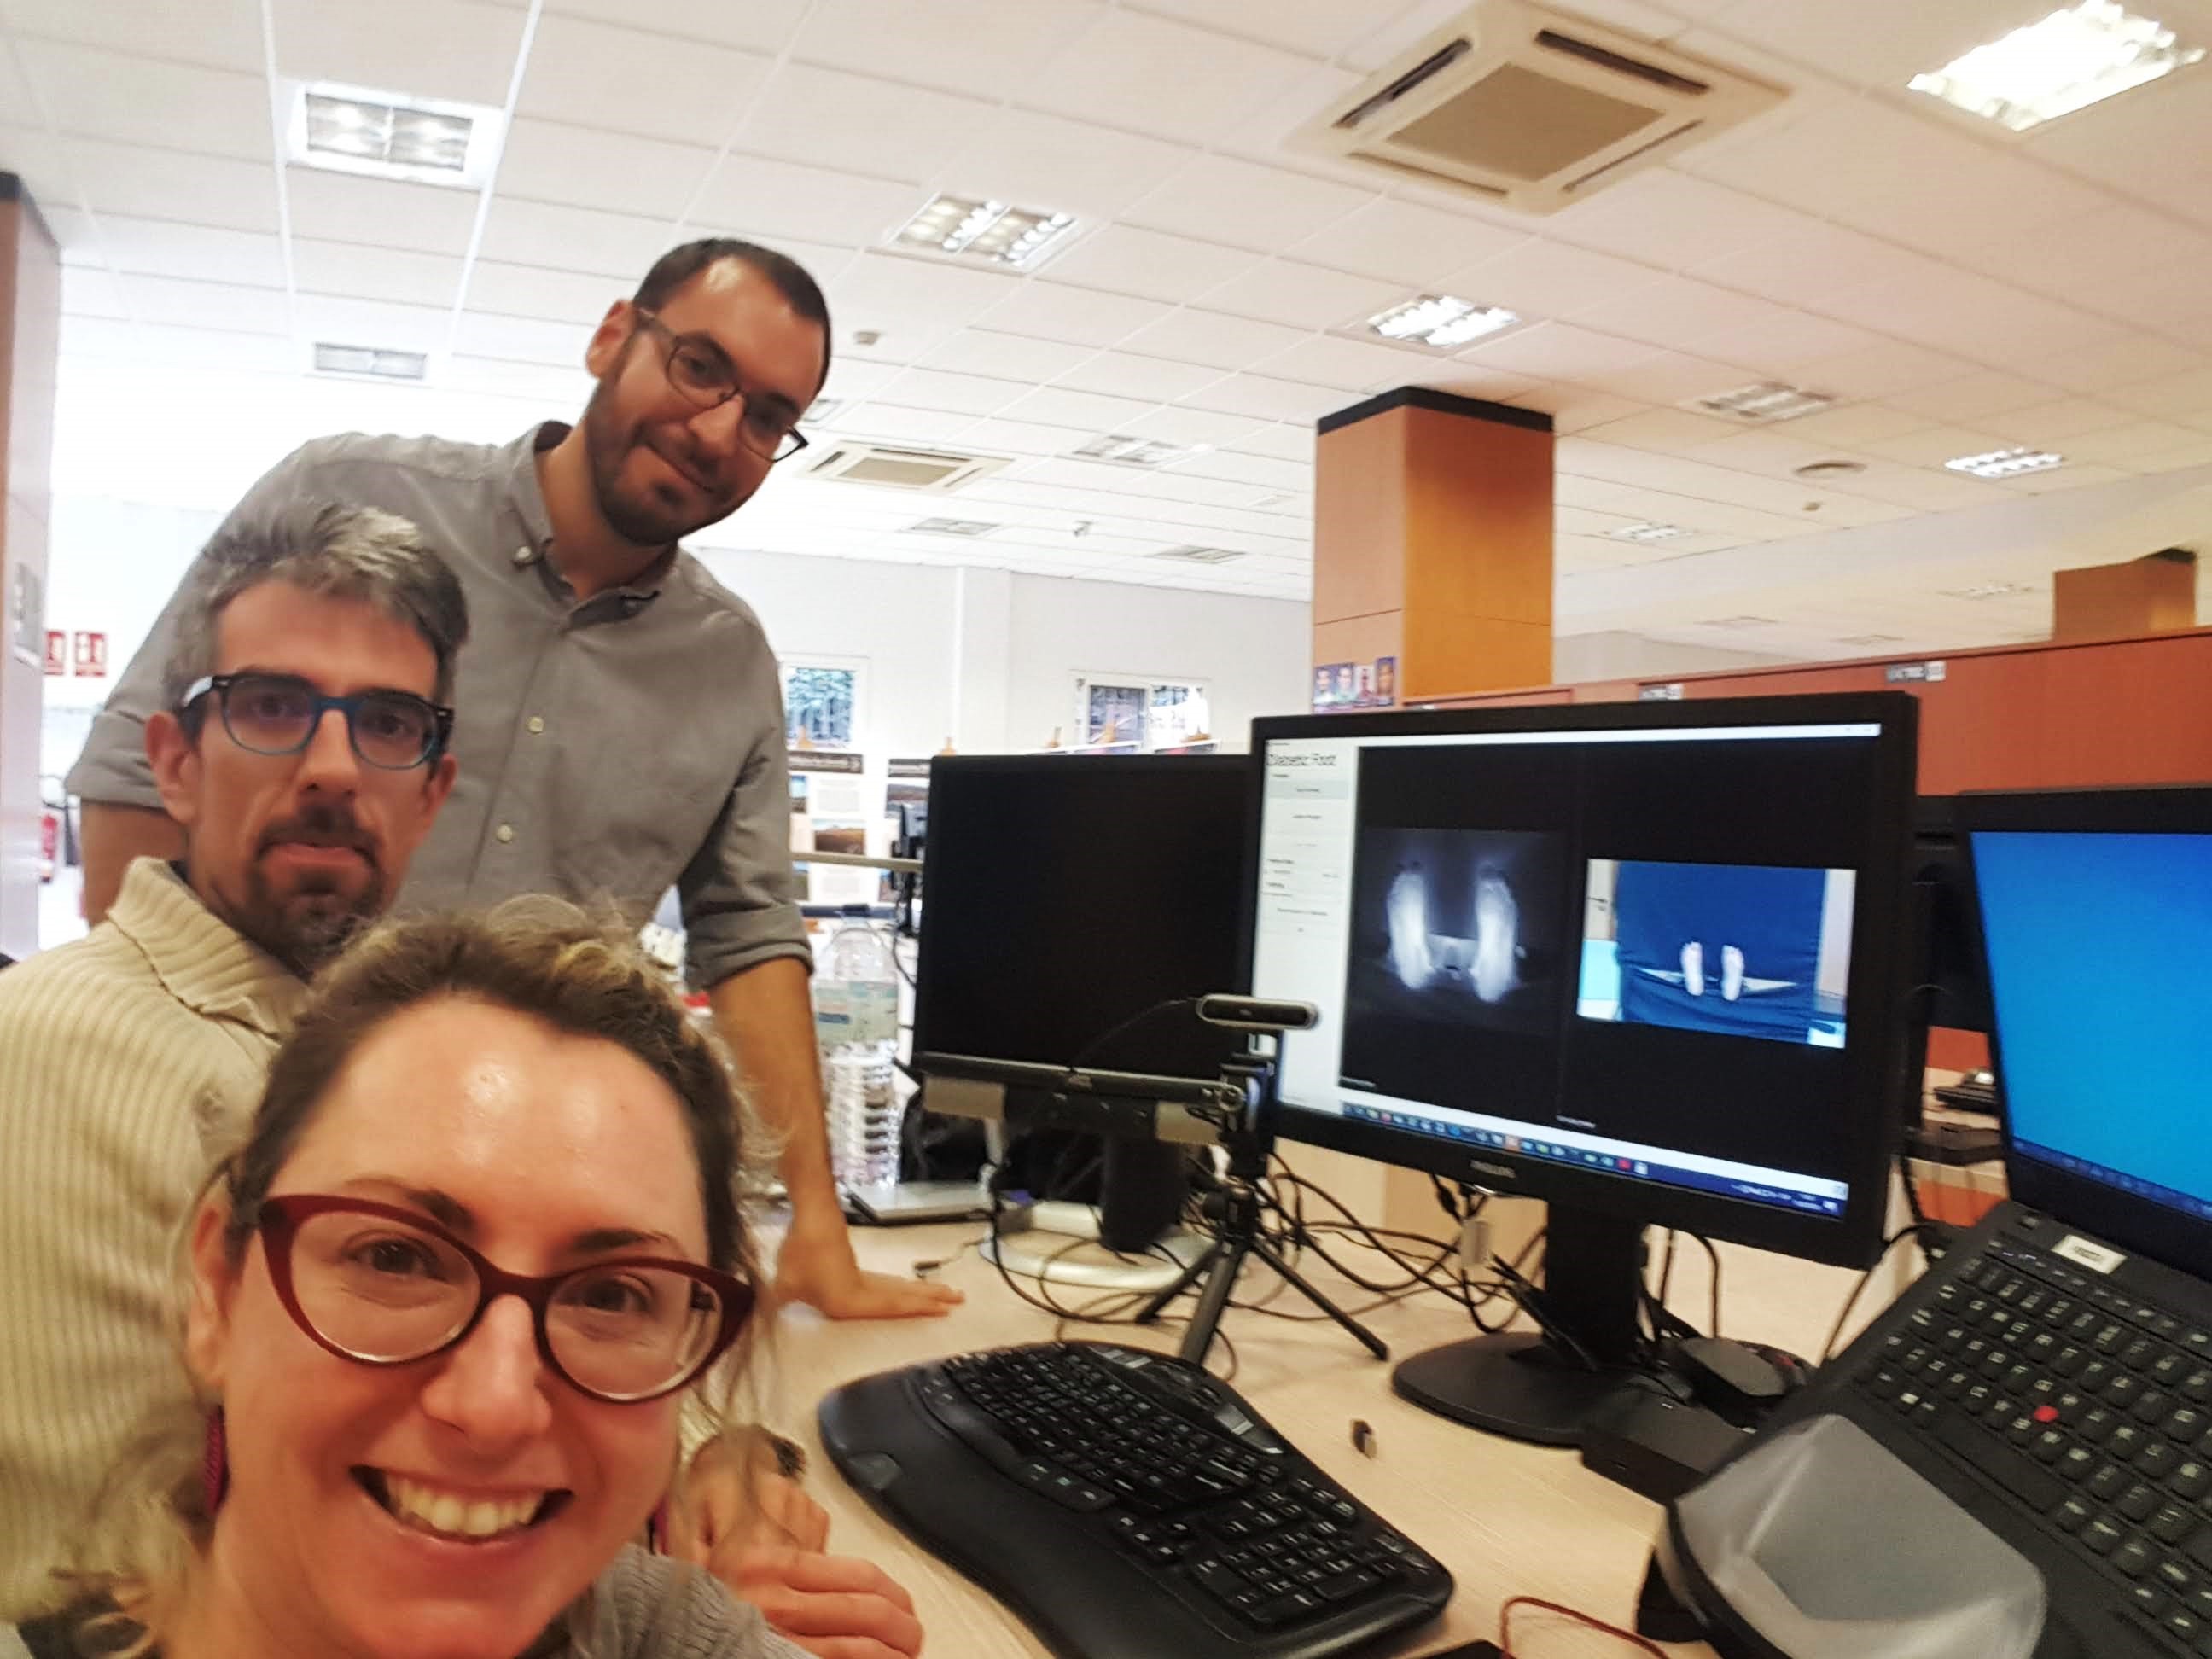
[1519,1386]
[1051,1249]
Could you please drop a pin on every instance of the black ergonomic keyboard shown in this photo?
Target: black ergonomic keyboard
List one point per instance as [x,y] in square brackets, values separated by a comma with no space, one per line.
[1127,1505]
[2087,1403]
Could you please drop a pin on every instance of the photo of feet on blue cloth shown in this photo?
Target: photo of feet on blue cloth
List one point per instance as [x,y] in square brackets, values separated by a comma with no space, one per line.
[1734,949]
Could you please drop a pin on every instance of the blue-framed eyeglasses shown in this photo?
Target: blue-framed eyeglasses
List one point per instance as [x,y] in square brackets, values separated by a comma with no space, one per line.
[280,714]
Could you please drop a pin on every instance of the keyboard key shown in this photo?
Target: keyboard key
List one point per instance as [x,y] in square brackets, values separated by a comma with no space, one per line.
[2177,1576]
[2191,1478]
[2101,1537]
[2158,1460]
[2050,1445]
[2135,1556]
[2031,1483]
[2073,1515]
[1220,1580]
[2108,1483]
[1344,1586]
[2139,1502]
[2170,1523]
[2151,1406]
[2077,1462]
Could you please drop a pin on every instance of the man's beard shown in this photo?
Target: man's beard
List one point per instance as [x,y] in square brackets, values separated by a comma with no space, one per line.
[307,926]
[636,515]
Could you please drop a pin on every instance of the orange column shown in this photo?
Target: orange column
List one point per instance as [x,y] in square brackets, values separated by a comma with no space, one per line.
[1432,542]
[2152,595]
[30,322]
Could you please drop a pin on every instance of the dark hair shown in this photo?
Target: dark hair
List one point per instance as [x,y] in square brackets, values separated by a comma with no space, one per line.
[539,956]
[790,279]
[330,550]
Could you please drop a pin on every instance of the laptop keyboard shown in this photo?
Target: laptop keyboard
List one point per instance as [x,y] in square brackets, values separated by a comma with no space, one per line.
[2091,1407]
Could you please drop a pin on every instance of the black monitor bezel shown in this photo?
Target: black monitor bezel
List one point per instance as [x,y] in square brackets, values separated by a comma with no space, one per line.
[1879,979]
[2126,1220]
[1031,1077]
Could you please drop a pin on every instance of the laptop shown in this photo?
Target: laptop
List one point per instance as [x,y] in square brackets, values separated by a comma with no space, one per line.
[2052,1373]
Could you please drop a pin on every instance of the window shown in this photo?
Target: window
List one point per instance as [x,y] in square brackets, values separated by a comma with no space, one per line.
[1140,714]
[821,705]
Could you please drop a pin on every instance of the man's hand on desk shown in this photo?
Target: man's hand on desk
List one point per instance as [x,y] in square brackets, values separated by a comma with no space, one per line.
[830,1606]
[817,1267]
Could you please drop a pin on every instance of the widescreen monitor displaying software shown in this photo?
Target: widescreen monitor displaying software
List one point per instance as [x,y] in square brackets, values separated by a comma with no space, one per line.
[2098,945]
[1627,950]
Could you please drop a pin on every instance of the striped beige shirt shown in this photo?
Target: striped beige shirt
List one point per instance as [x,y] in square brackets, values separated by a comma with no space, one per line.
[128,1061]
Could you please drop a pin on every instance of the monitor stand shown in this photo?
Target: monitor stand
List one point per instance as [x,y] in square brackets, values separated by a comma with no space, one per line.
[1536,1387]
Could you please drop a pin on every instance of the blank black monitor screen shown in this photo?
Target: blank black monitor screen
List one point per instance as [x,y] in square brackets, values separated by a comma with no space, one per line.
[1063,896]
[1642,959]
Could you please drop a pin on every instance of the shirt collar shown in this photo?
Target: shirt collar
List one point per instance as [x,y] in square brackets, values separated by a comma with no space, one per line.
[201,960]
[528,499]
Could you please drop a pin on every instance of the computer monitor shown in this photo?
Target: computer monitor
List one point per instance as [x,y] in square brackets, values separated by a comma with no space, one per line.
[1068,902]
[2096,907]
[1640,960]
[1952,990]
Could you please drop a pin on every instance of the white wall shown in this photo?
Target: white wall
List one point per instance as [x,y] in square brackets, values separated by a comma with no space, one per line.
[1616,655]
[983,657]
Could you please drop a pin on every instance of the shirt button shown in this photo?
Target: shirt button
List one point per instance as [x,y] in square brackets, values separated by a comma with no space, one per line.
[536,724]
[523,555]
[506,833]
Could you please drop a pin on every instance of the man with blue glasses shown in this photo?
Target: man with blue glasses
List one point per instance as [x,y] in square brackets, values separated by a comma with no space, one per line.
[301,744]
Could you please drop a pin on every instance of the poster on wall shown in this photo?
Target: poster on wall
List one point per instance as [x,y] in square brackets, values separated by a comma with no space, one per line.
[27,616]
[91,652]
[1339,686]
[56,653]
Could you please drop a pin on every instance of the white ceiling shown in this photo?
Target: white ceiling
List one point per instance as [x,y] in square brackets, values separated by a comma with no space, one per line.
[1957,290]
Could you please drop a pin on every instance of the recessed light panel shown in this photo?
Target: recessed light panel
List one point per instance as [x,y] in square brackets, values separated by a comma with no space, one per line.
[1763,403]
[2005,463]
[1199,554]
[1125,450]
[373,361]
[2073,58]
[1989,590]
[387,134]
[953,527]
[1440,321]
[1647,532]
[986,231]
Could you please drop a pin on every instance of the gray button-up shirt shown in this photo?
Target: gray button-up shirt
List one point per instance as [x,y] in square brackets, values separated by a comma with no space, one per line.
[608,749]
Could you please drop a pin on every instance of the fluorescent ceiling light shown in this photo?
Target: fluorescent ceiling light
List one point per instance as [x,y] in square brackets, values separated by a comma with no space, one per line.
[1125,450]
[1439,320]
[1766,402]
[1647,532]
[1743,622]
[823,409]
[1988,591]
[953,527]
[373,361]
[2088,52]
[987,231]
[2006,463]
[389,135]
[1199,554]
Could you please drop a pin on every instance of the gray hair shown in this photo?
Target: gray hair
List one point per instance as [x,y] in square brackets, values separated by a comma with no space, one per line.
[333,551]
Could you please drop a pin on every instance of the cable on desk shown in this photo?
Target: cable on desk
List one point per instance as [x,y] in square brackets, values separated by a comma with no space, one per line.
[1505,1625]
[1713,1257]
[1920,1230]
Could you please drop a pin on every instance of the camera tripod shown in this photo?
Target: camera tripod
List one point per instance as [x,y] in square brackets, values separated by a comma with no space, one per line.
[1248,1138]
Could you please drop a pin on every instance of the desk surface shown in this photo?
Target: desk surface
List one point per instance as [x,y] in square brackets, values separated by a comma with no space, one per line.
[1507,1519]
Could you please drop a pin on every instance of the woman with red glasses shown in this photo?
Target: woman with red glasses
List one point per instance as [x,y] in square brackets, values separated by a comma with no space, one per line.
[447,1304]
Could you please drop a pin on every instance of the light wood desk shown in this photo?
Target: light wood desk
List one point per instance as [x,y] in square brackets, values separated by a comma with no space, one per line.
[1507,1519]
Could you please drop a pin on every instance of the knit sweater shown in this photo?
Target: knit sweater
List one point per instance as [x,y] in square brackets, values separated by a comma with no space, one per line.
[129,1061]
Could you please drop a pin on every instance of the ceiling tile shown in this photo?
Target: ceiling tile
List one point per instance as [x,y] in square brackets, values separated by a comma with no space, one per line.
[521,340]
[976,46]
[577,166]
[1673,376]
[1679,311]
[1021,438]
[761,197]
[336,207]
[219,34]
[225,350]
[1080,316]
[1128,374]
[1045,162]
[1090,411]
[1818,261]
[2054,422]
[1786,341]
[1932,445]
[1320,29]
[1672,220]
[90,291]
[157,184]
[556,387]
[2077,258]
[1006,356]
[2126,360]
[553,296]
[1559,351]
[159,248]
[1974,397]
[140,100]
[1670,430]
[916,303]
[832,118]
[375,322]
[1214,338]
[2185,394]
[375,273]
[1577,408]
[1398,241]
[1267,399]
[1149,264]
[1149,75]
[205,305]
[1545,279]
[763,26]
[2118,445]
[1301,296]
[573,239]
[954,394]
[1221,199]
[1185,423]
[36,157]
[897,425]
[1879,370]
[379,43]
[1292,440]
[1348,365]
[596,75]
[1855,424]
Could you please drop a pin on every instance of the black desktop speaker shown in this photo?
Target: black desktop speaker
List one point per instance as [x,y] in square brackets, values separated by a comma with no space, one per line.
[1145,1184]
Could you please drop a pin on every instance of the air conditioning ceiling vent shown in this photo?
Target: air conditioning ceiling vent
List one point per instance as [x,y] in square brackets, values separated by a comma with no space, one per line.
[900,467]
[1534,108]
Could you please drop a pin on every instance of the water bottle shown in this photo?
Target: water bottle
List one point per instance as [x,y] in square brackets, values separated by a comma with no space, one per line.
[856,1020]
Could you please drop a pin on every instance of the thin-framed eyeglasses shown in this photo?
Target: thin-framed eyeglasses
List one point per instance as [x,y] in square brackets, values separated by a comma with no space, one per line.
[703,374]
[383,1286]
[280,714]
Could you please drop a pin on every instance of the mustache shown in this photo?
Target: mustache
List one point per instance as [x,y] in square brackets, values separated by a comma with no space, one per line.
[702,471]
[321,828]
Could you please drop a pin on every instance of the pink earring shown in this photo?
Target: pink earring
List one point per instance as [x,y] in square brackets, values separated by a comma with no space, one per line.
[215,1464]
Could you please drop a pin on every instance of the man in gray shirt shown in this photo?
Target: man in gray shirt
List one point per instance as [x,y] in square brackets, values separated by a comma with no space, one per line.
[621,724]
